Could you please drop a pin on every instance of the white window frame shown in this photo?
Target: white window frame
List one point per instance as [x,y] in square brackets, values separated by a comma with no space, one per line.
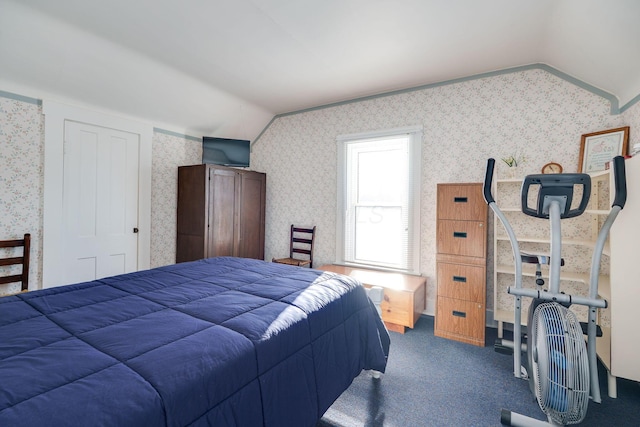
[415,134]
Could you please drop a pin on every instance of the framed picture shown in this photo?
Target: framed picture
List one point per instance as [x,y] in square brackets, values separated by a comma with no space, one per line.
[598,148]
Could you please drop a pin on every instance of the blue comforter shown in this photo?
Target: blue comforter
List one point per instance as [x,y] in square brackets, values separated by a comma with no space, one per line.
[219,342]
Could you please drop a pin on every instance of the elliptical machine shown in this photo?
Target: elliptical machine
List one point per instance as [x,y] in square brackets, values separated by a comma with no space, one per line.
[562,369]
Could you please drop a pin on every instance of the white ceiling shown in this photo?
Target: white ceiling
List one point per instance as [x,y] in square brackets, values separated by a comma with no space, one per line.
[226,67]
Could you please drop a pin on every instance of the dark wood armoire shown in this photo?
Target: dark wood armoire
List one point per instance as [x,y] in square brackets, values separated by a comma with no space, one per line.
[221,212]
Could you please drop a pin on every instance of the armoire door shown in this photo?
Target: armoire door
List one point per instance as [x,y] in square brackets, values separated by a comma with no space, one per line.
[223,203]
[251,215]
[192,225]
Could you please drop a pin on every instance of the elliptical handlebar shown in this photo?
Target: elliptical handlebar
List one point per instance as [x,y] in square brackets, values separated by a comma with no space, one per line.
[517,324]
[488,178]
[620,182]
[619,175]
[559,187]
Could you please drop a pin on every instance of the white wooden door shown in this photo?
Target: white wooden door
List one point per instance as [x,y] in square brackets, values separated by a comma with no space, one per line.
[100,202]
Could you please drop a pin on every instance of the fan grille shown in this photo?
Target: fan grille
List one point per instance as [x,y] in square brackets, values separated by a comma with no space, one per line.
[561,366]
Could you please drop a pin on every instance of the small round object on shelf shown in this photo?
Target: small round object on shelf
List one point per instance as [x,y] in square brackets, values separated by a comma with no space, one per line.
[552,167]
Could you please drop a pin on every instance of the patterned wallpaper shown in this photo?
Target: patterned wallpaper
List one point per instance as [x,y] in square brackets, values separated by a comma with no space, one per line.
[533,113]
[530,112]
[169,152]
[631,118]
[21,181]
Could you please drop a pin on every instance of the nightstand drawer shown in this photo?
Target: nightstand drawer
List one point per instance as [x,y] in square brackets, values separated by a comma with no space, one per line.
[461,202]
[464,238]
[460,318]
[397,307]
[461,281]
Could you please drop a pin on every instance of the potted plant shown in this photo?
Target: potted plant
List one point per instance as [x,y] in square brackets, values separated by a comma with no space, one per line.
[513,162]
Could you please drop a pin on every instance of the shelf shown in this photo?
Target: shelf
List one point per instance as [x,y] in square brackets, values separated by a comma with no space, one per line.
[587,211]
[534,239]
[600,175]
[597,212]
[530,271]
[577,242]
[507,316]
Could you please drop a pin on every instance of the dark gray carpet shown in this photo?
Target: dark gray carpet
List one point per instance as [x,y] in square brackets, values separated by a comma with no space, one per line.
[432,381]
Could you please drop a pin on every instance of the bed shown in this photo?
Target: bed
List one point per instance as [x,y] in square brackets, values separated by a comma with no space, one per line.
[220,342]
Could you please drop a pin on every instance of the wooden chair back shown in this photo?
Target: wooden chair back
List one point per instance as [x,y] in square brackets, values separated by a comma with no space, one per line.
[300,247]
[302,242]
[23,260]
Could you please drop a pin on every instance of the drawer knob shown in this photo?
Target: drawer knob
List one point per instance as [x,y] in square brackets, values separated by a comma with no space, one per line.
[460,279]
[460,234]
[459,313]
[460,199]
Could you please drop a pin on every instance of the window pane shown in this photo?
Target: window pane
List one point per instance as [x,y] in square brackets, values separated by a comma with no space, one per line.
[379,235]
[381,177]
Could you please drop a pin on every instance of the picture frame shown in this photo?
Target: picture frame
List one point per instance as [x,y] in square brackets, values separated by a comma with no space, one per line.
[598,148]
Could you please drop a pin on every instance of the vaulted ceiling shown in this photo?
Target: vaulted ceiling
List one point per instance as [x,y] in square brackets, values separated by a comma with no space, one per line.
[226,67]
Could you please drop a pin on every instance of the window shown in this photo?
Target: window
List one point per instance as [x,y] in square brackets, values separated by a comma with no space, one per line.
[379,199]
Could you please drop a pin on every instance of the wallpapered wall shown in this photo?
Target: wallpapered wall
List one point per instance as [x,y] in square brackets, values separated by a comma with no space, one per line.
[533,113]
[169,152]
[22,180]
[631,118]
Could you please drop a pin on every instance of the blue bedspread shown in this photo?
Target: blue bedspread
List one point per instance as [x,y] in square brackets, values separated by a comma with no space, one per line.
[218,342]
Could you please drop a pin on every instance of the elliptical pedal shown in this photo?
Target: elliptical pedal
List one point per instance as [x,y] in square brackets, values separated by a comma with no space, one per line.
[499,347]
[585,328]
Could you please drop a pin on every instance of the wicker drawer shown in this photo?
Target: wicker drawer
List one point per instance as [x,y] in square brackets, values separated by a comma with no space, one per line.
[464,238]
[461,281]
[461,319]
[461,202]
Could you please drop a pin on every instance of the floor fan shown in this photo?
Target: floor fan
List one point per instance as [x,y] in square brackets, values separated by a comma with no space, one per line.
[560,368]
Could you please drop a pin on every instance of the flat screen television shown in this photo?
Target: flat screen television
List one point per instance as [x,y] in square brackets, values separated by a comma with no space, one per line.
[225,151]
